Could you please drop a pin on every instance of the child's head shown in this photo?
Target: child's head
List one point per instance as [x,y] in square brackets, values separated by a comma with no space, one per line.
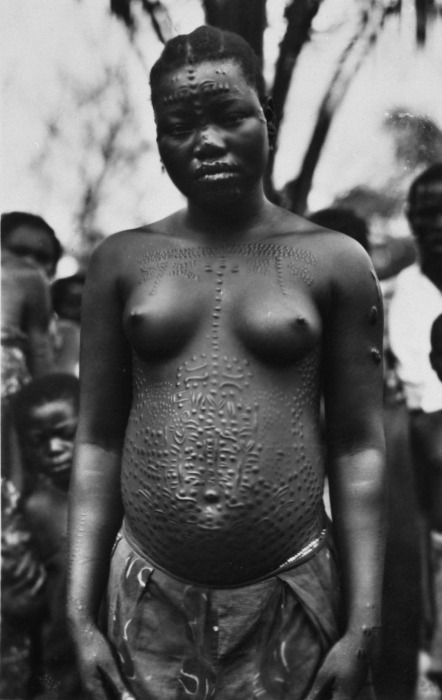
[46,415]
[66,296]
[436,346]
[30,237]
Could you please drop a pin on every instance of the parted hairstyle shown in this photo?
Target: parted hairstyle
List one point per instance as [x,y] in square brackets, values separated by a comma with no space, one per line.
[207,43]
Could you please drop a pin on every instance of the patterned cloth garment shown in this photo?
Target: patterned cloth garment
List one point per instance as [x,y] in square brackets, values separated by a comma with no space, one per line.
[177,641]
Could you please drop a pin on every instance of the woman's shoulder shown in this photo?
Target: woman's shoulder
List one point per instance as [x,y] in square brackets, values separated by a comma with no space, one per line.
[333,250]
[127,240]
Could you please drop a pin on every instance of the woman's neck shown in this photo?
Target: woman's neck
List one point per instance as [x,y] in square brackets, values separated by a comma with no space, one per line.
[233,223]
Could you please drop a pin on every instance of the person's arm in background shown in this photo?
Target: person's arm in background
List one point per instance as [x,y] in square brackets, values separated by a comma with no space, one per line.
[95,511]
[37,315]
[353,391]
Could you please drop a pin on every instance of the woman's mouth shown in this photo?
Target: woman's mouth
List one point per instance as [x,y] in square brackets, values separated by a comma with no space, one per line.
[213,172]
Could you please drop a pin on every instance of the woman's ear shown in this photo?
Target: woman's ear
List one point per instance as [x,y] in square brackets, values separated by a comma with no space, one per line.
[270,115]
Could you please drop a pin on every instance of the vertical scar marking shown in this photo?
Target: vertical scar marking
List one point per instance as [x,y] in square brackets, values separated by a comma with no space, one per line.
[376,355]
[373,315]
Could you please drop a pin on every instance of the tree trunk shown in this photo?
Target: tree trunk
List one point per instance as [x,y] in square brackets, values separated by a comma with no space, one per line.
[295,192]
[299,16]
[245,17]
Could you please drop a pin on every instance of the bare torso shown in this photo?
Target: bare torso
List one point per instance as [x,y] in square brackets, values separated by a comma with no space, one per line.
[223,470]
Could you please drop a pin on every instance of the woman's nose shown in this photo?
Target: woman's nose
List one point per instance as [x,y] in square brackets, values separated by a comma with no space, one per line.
[209,142]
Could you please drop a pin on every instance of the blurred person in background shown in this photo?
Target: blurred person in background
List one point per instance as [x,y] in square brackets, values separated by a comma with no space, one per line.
[29,237]
[23,599]
[26,347]
[436,346]
[436,554]
[66,301]
[416,303]
[396,667]
[345,221]
[45,413]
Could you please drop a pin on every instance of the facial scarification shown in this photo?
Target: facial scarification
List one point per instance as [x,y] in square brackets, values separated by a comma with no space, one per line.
[191,89]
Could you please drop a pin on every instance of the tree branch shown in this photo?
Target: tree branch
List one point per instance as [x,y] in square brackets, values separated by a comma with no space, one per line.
[296,191]
[245,17]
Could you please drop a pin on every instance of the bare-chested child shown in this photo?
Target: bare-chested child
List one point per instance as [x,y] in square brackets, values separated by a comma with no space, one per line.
[208,337]
[45,413]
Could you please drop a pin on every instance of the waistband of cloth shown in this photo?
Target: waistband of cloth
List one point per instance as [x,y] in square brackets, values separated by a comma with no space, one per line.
[301,557]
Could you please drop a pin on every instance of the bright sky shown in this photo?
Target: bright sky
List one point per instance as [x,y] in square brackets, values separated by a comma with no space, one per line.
[47,45]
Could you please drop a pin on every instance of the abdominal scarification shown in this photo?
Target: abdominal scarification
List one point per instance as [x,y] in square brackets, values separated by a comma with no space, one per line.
[211,445]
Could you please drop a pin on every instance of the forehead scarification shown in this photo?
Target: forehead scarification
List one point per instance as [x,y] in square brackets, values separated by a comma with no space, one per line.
[187,83]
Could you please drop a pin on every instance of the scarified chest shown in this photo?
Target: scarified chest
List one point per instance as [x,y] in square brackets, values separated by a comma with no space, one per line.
[222,453]
[255,295]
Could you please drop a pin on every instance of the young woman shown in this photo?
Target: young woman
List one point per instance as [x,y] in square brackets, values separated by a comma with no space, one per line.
[208,338]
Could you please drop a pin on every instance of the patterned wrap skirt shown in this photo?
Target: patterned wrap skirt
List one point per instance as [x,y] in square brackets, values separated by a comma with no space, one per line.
[180,641]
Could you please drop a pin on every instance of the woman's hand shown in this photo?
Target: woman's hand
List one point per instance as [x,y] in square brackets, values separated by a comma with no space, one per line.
[97,665]
[344,670]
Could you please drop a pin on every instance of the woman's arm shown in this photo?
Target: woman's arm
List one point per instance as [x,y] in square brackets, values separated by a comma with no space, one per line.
[353,393]
[95,509]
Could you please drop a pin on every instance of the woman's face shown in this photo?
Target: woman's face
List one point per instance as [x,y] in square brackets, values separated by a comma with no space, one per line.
[211,132]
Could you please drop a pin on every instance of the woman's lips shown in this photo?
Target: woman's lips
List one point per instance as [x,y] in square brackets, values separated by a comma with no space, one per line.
[215,171]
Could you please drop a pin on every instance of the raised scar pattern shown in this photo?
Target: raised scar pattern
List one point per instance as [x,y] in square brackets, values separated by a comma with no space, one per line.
[262,258]
[198,445]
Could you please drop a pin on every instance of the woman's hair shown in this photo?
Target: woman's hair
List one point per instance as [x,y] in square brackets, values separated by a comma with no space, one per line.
[207,43]
[14,219]
[50,387]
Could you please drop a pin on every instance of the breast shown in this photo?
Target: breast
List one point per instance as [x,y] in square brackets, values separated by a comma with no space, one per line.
[160,326]
[278,329]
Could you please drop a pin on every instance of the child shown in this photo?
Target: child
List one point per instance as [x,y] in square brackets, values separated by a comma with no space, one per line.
[23,598]
[46,413]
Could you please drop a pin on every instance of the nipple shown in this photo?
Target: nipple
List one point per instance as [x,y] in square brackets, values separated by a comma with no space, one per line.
[136,314]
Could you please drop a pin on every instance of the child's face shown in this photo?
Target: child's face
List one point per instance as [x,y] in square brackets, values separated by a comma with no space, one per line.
[48,439]
[70,308]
